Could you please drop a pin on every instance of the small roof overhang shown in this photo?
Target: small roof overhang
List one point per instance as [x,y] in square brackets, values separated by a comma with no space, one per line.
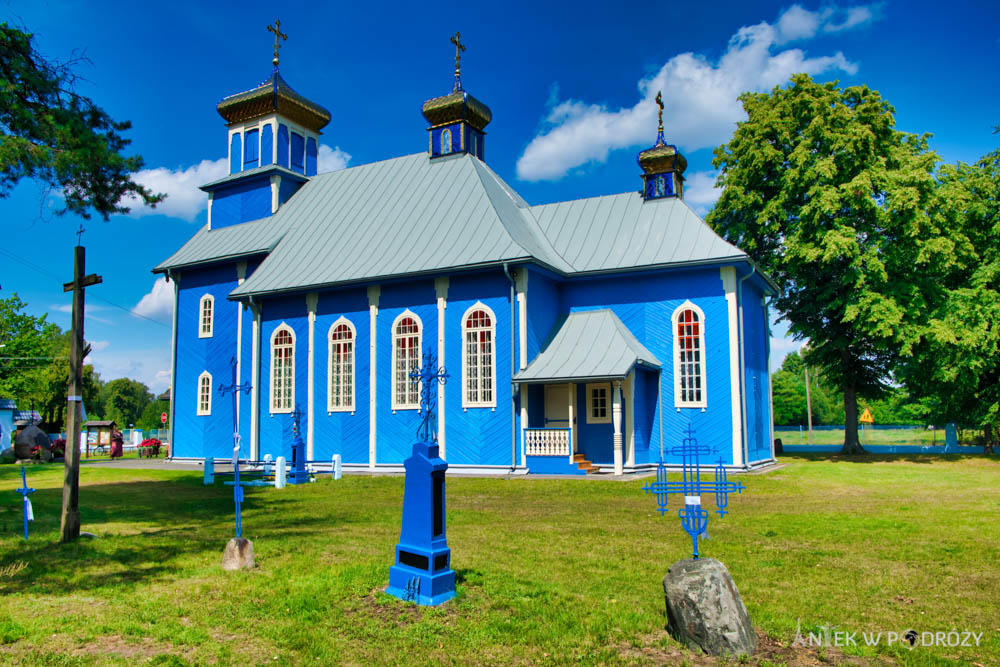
[589,345]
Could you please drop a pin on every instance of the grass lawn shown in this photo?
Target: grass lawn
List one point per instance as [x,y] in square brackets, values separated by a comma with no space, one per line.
[550,571]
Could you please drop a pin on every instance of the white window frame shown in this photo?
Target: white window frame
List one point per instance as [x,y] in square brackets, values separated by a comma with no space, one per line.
[466,403]
[450,140]
[349,404]
[209,299]
[275,409]
[703,366]
[409,405]
[591,419]
[204,412]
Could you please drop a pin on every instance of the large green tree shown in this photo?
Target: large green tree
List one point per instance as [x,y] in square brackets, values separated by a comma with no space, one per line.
[123,400]
[50,133]
[956,367]
[831,200]
[29,344]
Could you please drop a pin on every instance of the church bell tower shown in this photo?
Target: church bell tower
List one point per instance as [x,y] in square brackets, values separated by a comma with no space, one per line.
[662,166]
[457,120]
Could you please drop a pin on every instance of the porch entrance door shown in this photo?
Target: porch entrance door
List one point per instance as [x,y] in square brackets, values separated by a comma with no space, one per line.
[556,406]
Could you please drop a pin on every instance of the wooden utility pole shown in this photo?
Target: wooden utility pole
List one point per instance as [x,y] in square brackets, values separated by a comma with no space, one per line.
[71,481]
[809,410]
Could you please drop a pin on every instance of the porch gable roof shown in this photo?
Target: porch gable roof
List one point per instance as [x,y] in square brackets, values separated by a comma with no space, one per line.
[588,345]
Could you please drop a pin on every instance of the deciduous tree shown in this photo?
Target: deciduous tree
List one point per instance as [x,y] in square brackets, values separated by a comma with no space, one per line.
[831,200]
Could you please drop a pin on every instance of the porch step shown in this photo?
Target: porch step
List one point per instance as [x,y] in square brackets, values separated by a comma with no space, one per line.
[584,464]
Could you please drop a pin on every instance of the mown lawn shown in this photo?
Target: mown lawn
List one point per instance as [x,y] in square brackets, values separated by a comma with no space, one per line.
[550,571]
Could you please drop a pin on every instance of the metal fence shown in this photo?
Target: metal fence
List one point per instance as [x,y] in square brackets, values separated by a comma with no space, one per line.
[877,434]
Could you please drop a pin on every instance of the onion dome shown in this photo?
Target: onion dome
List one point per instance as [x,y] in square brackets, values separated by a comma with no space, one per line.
[455,107]
[457,120]
[662,165]
[274,96]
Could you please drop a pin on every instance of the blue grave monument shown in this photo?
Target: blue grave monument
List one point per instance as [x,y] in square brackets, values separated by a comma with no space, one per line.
[422,572]
[298,474]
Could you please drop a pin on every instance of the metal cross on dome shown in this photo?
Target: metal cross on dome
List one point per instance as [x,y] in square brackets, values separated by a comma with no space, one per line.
[693,518]
[429,375]
[235,389]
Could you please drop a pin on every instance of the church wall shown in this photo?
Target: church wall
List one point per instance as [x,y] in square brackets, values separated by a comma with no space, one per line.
[397,429]
[246,368]
[344,433]
[757,377]
[207,435]
[241,202]
[480,436]
[276,428]
[543,311]
[645,304]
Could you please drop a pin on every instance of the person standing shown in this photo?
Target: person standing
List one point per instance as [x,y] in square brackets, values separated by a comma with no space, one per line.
[117,443]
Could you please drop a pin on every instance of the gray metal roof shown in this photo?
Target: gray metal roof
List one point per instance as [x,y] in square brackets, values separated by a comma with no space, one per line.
[588,345]
[7,404]
[403,216]
[624,232]
[249,238]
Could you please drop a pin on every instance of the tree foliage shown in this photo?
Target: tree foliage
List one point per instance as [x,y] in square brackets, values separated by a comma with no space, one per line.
[822,191]
[50,133]
[956,367]
[123,401]
[789,395]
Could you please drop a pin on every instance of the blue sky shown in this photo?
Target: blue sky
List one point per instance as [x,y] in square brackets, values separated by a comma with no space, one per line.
[570,85]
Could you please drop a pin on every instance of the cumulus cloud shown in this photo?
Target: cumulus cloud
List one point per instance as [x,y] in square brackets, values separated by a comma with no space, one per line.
[185,200]
[88,311]
[158,304]
[700,192]
[700,96]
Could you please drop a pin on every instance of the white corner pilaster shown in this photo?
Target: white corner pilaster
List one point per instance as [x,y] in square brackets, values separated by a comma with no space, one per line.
[241,274]
[571,419]
[441,289]
[255,386]
[211,196]
[616,418]
[728,274]
[521,285]
[275,190]
[311,300]
[630,418]
[374,292]
[176,278]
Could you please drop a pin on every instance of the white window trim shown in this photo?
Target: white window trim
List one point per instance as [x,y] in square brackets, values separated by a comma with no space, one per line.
[479,305]
[282,327]
[198,410]
[330,407]
[420,346]
[201,316]
[678,403]
[590,403]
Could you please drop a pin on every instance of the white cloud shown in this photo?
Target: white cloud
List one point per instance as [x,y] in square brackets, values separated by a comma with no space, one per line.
[700,96]
[184,198]
[331,159]
[98,345]
[700,192]
[158,304]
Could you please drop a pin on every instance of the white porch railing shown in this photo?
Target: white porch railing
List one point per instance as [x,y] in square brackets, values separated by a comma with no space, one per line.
[547,441]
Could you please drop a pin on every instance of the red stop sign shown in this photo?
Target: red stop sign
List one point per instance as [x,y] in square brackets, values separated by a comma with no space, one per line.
[163,417]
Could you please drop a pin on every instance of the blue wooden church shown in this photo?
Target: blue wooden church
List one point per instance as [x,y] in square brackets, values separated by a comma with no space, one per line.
[580,336]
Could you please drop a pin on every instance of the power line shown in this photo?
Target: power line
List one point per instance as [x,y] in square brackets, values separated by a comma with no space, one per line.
[46,272]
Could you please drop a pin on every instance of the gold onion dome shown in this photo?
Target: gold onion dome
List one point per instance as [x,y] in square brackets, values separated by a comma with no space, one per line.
[456,106]
[274,96]
[662,157]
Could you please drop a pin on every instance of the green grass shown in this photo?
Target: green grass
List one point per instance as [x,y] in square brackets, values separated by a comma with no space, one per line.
[548,570]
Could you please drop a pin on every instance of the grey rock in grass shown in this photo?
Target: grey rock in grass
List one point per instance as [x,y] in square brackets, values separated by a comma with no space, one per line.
[238,555]
[705,610]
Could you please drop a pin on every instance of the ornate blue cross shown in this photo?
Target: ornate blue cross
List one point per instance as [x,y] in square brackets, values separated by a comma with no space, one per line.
[429,376]
[235,389]
[26,491]
[693,518]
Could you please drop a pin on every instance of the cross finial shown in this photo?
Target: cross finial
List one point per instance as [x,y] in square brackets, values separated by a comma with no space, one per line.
[659,103]
[79,234]
[278,35]
[459,47]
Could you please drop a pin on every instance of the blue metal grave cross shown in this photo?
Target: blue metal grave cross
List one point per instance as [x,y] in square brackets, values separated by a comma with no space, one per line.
[693,518]
[429,375]
[26,491]
[235,389]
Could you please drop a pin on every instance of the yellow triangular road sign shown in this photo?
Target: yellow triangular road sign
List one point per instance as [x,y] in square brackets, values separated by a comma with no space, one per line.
[866,417]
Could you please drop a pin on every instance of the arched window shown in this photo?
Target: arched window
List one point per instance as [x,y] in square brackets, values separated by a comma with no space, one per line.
[660,185]
[206,314]
[204,394]
[282,370]
[341,391]
[445,141]
[478,358]
[689,357]
[405,360]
